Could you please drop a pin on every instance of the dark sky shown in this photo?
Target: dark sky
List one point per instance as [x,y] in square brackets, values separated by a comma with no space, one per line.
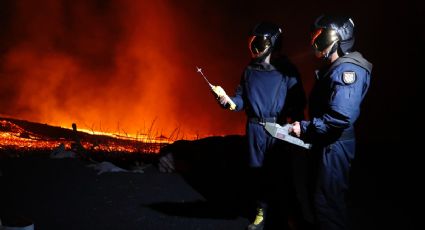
[114,65]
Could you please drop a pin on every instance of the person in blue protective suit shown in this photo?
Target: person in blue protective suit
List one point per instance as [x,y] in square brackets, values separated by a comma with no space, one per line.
[334,106]
[270,90]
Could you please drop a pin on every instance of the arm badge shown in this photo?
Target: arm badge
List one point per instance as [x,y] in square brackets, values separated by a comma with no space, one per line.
[349,77]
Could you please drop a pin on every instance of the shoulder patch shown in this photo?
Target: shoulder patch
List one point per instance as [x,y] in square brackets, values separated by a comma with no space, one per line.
[349,77]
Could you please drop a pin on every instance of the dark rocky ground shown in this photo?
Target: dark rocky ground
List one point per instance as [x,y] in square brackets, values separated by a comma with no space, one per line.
[209,190]
[64,194]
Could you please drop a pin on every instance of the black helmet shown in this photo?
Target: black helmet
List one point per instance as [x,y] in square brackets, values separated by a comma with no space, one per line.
[264,38]
[335,31]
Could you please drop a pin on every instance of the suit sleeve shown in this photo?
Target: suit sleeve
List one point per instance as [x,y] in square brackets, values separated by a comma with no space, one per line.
[295,100]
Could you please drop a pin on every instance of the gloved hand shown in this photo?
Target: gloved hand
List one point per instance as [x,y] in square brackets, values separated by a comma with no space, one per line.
[295,130]
[223,98]
[219,94]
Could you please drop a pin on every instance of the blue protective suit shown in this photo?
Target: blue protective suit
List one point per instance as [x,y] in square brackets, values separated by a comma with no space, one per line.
[268,92]
[334,107]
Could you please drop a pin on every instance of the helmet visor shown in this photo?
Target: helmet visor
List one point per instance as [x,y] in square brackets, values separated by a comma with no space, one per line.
[322,38]
[258,45]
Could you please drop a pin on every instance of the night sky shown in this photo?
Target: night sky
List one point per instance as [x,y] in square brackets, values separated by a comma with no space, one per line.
[124,65]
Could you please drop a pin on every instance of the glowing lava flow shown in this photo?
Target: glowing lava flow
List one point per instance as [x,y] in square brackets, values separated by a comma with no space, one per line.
[13,137]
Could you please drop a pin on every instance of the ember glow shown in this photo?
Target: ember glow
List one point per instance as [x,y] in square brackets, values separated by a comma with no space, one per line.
[14,137]
[118,67]
[14,141]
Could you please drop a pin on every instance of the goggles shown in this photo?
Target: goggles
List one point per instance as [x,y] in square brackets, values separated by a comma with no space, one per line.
[322,38]
[258,45]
